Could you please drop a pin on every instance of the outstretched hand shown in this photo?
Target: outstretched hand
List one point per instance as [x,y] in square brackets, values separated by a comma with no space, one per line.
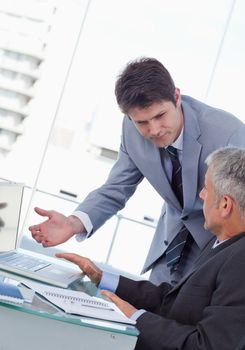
[123,305]
[57,229]
[85,264]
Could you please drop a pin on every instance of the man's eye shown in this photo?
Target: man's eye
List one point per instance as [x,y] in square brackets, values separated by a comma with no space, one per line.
[160,116]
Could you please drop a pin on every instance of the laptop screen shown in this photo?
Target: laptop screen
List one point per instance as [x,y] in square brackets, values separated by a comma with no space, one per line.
[10,206]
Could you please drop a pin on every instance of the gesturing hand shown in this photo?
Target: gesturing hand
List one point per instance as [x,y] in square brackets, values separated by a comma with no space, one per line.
[85,264]
[57,229]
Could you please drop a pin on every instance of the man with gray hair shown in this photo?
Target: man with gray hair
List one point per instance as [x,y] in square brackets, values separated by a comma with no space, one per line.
[206,309]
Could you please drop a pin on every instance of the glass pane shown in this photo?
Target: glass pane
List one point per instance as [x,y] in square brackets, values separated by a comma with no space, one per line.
[226,90]
[60,127]
[135,239]
[35,53]
[86,135]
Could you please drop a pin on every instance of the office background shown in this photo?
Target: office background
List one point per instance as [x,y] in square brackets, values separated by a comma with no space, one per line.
[59,123]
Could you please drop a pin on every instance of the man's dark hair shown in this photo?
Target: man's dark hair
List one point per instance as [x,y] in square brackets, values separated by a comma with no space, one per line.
[143,82]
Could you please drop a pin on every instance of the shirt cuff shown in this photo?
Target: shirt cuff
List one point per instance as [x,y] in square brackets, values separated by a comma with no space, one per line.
[84,218]
[109,281]
[137,314]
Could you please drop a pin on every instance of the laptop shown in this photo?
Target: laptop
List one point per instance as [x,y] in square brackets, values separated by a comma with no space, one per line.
[23,262]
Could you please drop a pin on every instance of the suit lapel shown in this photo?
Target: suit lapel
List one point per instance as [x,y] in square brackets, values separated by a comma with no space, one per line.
[191,155]
[207,254]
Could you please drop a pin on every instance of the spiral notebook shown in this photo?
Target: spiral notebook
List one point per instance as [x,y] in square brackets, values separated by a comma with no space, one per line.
[80,303]
[9,293]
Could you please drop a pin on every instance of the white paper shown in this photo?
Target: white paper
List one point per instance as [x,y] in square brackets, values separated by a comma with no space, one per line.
[103,323]
[69,301]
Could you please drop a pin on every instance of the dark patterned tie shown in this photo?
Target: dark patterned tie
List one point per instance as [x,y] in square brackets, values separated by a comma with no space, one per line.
[183,238]
[176,181]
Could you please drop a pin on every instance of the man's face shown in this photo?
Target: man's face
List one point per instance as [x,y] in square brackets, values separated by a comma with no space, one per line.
[161,122]
[210,205]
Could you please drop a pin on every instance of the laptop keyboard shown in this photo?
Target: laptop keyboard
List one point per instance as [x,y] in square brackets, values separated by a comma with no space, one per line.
[25,262]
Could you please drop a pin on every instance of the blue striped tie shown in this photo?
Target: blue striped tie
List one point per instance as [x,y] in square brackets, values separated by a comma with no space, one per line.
[176,181]
[175,249]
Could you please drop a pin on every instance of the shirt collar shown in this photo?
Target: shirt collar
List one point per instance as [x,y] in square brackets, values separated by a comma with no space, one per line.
[217,242]
[178,143]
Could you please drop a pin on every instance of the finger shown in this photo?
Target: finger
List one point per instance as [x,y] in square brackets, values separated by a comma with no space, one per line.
[113,297]
[36,233]
[74,258]
[44,243]
[43,212]
[38,239]
[47,244]
[35,228]
[123,305]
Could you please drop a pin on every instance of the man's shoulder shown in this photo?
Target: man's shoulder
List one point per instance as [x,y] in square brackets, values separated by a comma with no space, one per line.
[208,117]
[233,247]
[202,106]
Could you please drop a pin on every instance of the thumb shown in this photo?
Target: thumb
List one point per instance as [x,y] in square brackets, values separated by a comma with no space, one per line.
[43,212]
[74,258]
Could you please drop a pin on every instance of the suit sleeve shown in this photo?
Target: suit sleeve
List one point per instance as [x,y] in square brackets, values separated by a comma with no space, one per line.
[104,202]
[142,294]
[221,325]
[237,138]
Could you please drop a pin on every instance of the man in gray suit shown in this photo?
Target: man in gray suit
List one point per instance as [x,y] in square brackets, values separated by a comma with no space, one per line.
[206,309]
[156,116]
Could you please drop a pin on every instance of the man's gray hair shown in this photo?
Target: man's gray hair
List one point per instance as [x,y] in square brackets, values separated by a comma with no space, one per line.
[228,174]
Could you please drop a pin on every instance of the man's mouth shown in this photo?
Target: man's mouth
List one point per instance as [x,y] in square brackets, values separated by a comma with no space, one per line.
[160,137]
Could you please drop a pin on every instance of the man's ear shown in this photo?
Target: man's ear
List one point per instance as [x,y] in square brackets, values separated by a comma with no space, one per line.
[226,205]
[177,97]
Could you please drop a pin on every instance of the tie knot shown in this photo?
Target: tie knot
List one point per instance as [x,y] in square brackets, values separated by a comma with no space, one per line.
[172,151]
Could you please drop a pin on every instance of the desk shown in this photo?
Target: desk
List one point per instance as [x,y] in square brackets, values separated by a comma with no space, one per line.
[41,326]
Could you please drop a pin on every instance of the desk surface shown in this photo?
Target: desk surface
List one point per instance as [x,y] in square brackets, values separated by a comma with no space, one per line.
[39,324]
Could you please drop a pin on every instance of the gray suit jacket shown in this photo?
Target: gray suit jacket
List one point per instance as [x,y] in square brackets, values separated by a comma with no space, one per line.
[205,311]
[205,129]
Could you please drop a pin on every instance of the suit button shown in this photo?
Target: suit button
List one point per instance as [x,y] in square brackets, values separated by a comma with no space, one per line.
[165,242]
[185,218]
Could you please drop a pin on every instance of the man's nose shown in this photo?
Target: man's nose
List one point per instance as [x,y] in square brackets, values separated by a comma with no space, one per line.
[154,128]
[201,194]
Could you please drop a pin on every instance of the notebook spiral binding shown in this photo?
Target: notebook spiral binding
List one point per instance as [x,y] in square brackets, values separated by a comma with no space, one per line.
[83,301]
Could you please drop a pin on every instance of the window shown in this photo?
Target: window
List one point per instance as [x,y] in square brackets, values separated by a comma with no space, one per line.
[59,123]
